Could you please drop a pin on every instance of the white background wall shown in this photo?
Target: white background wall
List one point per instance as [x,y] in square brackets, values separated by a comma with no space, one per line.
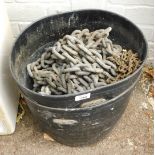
[23,12]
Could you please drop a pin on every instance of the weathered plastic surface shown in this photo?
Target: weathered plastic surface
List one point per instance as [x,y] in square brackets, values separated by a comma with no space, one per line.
[51,28]
[9,94]
[80,126]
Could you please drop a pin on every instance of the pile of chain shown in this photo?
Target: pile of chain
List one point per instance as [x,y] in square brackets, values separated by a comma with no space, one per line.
[81,61]
[126,63]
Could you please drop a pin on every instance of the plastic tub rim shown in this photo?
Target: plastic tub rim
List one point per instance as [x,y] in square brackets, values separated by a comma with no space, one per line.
[79,93]
[105,104]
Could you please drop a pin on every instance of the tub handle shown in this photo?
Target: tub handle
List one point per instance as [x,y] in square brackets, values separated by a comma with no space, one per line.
[62,121]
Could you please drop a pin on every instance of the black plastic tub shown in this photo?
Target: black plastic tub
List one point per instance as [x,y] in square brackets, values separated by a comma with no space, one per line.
[50,29]
[80,126]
